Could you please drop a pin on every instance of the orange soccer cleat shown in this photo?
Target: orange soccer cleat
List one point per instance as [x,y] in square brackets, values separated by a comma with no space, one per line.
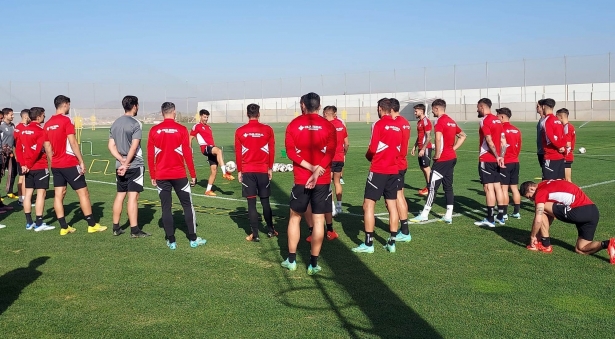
[611,250]
[210,193]
[424,191]
[332,235]
[228,176]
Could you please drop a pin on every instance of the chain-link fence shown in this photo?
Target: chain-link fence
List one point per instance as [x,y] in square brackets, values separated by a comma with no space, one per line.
[583,84]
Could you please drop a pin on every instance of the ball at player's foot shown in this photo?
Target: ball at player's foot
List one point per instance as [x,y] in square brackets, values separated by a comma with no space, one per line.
[231,166]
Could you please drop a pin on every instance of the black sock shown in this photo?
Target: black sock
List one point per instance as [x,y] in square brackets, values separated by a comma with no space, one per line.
[404,227]
[329,227]
[133,230]
[311,229]
[490,216]
[392,238]
[605,244]
[90,220]
[116,227]
[63,223]
[314,260]
[501,209]
[369,238]
[254,232]
[505,209]
[292,257]
[39,220]
[171,238]
[517,208]
[546,242]
[29,218]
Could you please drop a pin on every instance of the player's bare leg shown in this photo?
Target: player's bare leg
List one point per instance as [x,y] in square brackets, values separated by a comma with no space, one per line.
[338,191]
[58,206]
[220,158]
[210,181]
[402,209]
[369,221]
[516,195]
[426,172]
[118,205]
[318,233]
[132,208]
[294,233]
[86,207]
[568,174]
[490,197]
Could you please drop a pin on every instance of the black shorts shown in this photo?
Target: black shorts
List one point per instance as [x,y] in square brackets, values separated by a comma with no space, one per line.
[337,166]
[319,197]
[379,185]
[425,160]
[402,180]
[443,170]
[253,184]
[541,160]
[553,169]
[37,179]
[19,171]
[510,174]
[567,164]
[488,172]
[211,158]
[132,181]
[584,217]
[69,175]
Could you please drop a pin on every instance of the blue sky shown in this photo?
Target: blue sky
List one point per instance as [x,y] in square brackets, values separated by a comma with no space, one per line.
[217,41]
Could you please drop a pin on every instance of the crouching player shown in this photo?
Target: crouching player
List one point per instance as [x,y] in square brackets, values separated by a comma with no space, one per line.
[565,201]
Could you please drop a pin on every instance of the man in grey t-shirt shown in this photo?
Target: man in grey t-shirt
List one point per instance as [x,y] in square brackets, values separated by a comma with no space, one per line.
[7,128]
[125,145]
[539,150]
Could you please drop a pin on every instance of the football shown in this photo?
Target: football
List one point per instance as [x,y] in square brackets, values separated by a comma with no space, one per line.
[289,168]
[275,167]
[281,168]
[582,150]
[231,166]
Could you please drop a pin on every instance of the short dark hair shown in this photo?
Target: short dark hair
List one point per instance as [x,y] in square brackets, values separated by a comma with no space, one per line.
[253,110]
[385,104]
[61,99]
[420,107]
[395,105]
[330,108]
[563,111]
[25,111]
[439,103]
[129,102]
[36,112]
[311,101]
[485,101]
[6,111]
[204,112]
[547,102]
[525,187]
[504,110]
[541,101]
[167,107]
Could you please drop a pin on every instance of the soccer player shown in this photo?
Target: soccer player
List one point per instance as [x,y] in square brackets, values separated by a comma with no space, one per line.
[443,169]
[310,144]
[383,178]
[510,173]
[254,168]
[490,160]
[35,154]
[540,151]
[67,166]
[402,165]
[7,129]
[337,166]
[25,120]
[125,145]
[571,140]
[168,147]
[423,144]
[205,137]
[553,143]
[565,201]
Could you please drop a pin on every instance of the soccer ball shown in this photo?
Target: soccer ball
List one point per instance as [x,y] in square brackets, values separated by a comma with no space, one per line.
[281,168]
[231,166]
[582,150]
[275,167]
[289,168]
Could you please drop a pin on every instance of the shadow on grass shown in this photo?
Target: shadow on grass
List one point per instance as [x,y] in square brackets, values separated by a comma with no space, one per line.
[14,282]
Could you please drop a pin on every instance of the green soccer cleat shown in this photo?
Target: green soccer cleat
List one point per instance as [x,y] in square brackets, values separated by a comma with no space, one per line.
[403,237]
[290,266]
[313,270]
[363,249]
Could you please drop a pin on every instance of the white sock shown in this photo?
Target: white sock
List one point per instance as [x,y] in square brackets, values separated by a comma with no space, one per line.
[425,212]
[223,170]
[449,212]
[339,204]
[21,198]
[208,188]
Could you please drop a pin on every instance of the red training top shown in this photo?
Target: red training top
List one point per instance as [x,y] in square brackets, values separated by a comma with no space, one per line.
[385,146]
[449,129]
[204,135]
[32,139]
[489,125]
[342,134]
[423,126]
[571,137]
[167,147]
[513,143]
[312,138]
[57,130]
[16,134]
[561,192]
[402,161]
[552,137]
[257,144]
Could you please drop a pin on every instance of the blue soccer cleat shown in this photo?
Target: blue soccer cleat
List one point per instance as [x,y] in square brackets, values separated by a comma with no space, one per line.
[290,266]
[403,237]
[363,249]
[198,242]
[484,222]
[313,270]
[172,245]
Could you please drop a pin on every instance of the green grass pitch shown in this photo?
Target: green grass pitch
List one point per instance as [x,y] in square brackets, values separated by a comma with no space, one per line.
[454,281]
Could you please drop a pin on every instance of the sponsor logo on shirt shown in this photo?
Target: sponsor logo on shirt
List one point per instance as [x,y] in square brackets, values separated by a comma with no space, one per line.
[310,128]
[53,127]
[28,132]
[451,124]
[395,128]
[339,129]
[512,131]
[167,130]
[253,135]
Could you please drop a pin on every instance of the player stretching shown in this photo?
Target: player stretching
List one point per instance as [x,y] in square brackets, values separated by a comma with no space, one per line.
[25,120]
[168,147]
[34,156]
[553,143]
[7,130]
[423,143]
[254,163]
[67,166]
[125,146]
[490,160]
[565,201]
[571,140]
[444,161]
[383,178]
[540,151]
[310,143]
[509,175]
[402,165]
[205,137]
